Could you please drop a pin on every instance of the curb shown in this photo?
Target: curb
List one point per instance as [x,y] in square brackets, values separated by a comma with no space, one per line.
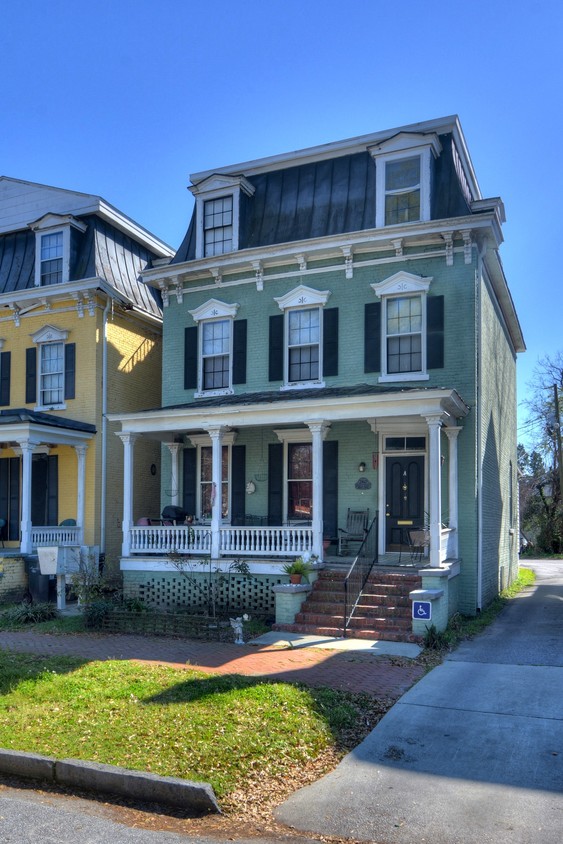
[110,779]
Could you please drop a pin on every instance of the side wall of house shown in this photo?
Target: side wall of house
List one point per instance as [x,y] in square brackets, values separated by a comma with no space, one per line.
[497,444]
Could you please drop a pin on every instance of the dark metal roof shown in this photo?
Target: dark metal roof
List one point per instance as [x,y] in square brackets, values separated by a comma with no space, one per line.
[328,197]
[101,251]
[21,414]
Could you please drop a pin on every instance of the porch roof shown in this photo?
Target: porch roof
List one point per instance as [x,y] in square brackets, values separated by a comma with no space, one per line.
[21,423]
[356,402]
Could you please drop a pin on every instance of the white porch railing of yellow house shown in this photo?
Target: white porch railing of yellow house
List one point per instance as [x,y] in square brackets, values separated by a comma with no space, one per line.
[196,539]
[55,535]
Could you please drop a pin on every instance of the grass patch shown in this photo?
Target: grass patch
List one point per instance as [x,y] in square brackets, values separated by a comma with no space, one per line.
[462,627]
[225,730]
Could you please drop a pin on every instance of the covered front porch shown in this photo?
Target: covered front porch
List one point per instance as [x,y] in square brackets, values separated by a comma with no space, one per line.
[270,477]
[40,454]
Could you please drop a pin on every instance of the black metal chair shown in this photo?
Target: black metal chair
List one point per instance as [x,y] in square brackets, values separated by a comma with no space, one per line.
[173,515]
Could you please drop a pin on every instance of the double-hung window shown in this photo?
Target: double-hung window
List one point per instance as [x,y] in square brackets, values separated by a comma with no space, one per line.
[51,374]
[404,334]
[403,178]
[216,355]
[402,191]
[403,327]
[300,334]
[218,226]
[51,260]
[303,345]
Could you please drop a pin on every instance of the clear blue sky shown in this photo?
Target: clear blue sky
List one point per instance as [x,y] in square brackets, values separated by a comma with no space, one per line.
[125,98]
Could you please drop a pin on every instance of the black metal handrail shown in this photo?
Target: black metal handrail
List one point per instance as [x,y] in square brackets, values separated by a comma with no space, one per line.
[359,572]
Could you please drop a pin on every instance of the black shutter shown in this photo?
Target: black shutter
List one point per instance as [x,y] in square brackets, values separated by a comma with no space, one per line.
[330,342]
[275,369]
[238,484]
[189,480]
[52,489]
[372,337]
[70,370]
[190,358]
[435,332]
[4,494]
[275,483]
[330,489]
[31,375]
[239,351]
[5,365]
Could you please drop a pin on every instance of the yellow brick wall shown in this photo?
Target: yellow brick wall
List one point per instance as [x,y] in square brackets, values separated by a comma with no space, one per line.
[13,579]
[134,366]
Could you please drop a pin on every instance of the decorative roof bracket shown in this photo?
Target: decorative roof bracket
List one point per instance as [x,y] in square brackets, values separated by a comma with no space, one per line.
[467,243]
[348,261]
[259,270]
[449,241]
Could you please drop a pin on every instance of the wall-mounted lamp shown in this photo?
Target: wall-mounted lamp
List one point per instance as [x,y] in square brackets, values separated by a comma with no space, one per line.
[362,467]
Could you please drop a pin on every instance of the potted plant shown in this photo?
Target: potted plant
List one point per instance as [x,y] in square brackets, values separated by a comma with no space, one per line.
[297,570]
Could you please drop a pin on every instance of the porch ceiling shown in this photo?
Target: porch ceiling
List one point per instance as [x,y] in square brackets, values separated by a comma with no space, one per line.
[295,407]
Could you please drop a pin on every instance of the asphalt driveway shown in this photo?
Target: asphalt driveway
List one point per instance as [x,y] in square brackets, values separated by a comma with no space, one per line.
[472,754]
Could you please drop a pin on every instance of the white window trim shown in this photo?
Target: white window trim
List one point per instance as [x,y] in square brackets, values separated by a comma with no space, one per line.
[213,311]
[403,146]
[398,285]
[204,441]
[217,187]
[301,298]
[55,224]
[45,335]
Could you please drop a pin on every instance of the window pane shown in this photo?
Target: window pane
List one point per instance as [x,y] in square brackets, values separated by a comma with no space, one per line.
[218,225]
[300,461]
[216,341]
[303,343]
[404,354]
[404,315]
[51,371]
[402,174]
[402,207]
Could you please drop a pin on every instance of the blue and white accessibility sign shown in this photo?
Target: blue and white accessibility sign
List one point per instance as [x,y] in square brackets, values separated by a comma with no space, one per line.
[422,610]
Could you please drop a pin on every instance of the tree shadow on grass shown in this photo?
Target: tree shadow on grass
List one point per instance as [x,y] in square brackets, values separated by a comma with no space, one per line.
[16,668]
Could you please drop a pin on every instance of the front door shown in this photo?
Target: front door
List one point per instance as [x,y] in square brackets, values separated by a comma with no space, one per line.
[404,499]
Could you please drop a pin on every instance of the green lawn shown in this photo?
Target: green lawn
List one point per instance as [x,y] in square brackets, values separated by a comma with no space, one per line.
[219,729]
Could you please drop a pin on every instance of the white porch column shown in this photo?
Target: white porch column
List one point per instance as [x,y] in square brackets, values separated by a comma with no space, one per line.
[434,487]
[128,441]
[216,435]
[80,491]
[27,449]
[174,449]
[318,431]
[452,434]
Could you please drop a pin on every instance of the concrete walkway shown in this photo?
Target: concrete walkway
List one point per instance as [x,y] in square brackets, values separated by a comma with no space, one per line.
[472,754]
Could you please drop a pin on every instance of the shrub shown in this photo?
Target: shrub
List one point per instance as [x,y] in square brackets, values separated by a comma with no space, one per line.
[96,612]
[31,613]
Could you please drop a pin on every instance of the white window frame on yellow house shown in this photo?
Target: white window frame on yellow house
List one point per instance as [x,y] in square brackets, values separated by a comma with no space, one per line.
[46,339]
[48,227]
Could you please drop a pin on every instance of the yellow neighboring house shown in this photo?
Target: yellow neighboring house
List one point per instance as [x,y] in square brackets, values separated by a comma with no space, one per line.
[80,337]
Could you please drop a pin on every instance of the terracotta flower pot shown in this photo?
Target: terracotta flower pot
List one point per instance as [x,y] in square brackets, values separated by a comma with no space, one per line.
[295,578]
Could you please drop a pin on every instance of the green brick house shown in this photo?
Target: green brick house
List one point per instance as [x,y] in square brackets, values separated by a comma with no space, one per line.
[338,336]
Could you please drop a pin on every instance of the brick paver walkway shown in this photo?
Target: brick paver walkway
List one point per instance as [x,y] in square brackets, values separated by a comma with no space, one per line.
[357,671]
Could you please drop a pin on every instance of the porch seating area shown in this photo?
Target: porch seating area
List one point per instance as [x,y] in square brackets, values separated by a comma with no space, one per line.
[355,531]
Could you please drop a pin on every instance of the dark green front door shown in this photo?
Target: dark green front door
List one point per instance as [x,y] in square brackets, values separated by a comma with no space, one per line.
[404,499]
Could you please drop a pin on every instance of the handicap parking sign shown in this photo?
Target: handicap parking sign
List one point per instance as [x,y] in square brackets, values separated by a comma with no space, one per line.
[422,610]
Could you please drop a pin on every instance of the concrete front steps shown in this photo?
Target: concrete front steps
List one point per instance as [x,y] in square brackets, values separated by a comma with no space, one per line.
[383,611]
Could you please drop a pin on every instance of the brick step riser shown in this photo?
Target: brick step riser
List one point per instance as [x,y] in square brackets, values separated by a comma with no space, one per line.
[336,632]
[361,621]
[321,605]
[379,591]
[361,611]
[337,583]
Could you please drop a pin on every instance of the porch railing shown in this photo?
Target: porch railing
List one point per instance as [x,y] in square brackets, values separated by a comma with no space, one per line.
[196,539]
[164,539]
[61,535]
[271,541]
[447,544]
[359,572]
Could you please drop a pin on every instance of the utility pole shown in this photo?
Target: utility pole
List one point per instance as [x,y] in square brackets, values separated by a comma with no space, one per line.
[557,427]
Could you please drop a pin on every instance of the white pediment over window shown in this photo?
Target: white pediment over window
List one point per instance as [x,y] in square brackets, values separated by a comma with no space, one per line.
[402,282]
[407,142]
[214,309]
[50,334]
[302,297]
[218,183]
[57,221]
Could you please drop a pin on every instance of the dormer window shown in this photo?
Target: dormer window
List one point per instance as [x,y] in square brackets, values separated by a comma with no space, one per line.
[218,200]
[51,258]
[218,226]
[403,178]
[54,233]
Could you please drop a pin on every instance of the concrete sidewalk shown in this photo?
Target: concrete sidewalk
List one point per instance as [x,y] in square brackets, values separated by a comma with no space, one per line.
[472,754]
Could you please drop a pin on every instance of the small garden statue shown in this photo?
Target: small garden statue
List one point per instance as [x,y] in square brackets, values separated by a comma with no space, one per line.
[236,624]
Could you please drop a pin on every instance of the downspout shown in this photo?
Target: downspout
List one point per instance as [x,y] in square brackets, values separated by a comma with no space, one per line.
[103,496]
[478,284]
